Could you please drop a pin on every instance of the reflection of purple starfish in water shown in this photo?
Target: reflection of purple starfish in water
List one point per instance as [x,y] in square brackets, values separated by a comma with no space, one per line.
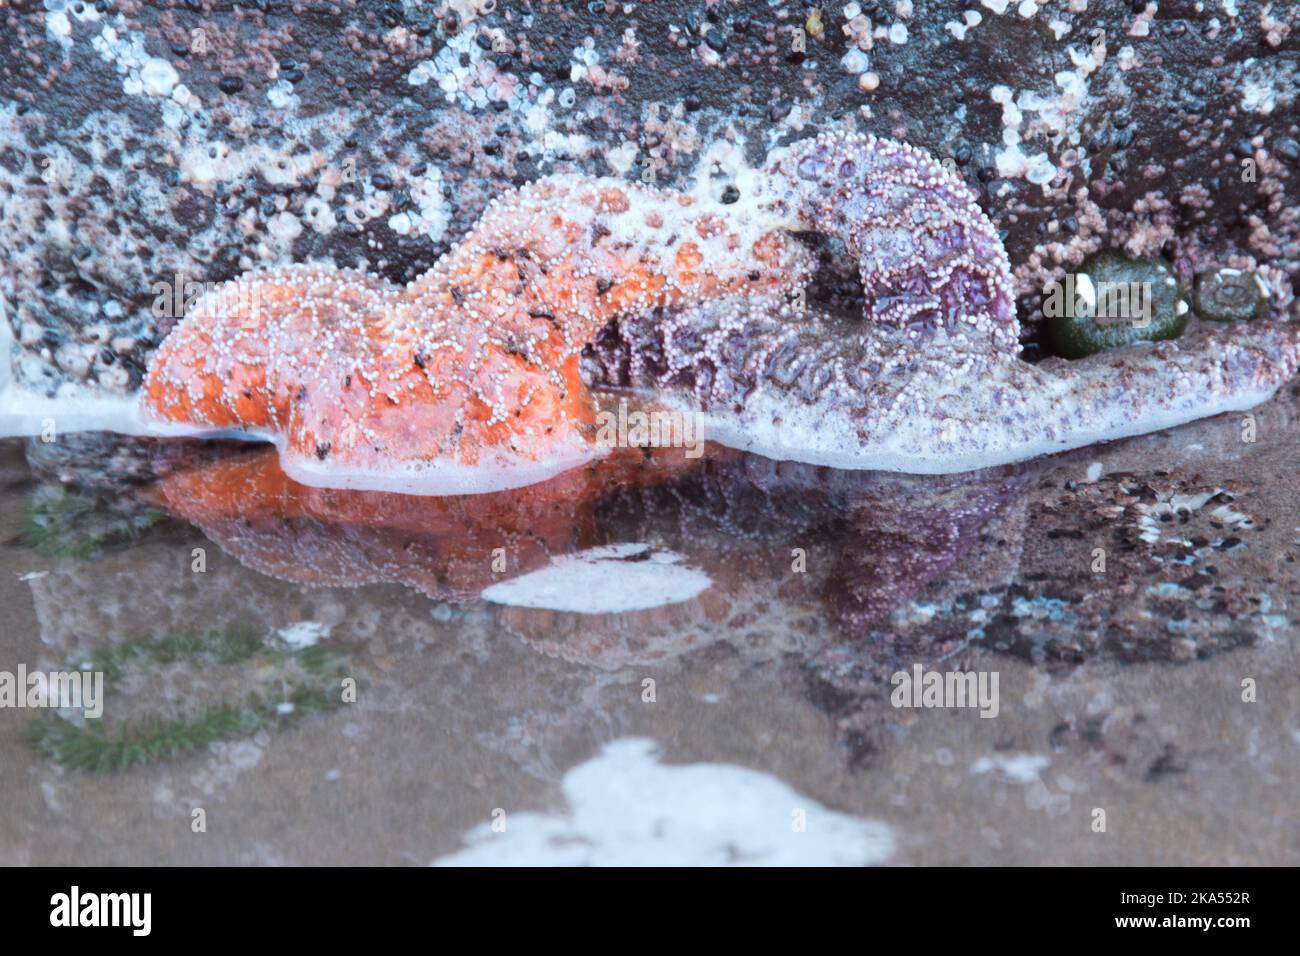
[895,554]
[872,542]
[889,537]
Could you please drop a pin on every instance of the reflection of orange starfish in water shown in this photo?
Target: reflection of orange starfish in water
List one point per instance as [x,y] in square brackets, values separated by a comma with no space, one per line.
[468,379]
[872,542]
[449,547]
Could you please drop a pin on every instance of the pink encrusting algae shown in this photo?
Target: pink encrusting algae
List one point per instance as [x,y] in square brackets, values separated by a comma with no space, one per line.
[472,376]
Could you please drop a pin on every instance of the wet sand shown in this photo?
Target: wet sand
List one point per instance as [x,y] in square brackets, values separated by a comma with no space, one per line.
[1119,691]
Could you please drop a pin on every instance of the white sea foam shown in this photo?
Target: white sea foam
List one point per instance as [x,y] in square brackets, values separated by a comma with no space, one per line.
[491,474]
[612,579]
[628,809]
[1022,768]
[73,409]
[25,414]
[303,634]
[768,425]
[427,478]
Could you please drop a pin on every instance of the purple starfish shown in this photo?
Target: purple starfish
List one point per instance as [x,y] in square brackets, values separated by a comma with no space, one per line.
[931,381]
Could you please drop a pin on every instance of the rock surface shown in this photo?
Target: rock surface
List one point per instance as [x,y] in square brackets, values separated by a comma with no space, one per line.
[144,145]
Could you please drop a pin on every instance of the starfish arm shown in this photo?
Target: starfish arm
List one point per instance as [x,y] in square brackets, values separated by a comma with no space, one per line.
[930,259]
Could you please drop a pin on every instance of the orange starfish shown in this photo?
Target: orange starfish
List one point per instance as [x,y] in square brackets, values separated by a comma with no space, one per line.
[468,379]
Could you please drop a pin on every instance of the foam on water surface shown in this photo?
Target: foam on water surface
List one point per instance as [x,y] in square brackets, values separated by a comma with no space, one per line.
[612,579]
[72,409]
[627,808]
[433,478]
[770,427]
